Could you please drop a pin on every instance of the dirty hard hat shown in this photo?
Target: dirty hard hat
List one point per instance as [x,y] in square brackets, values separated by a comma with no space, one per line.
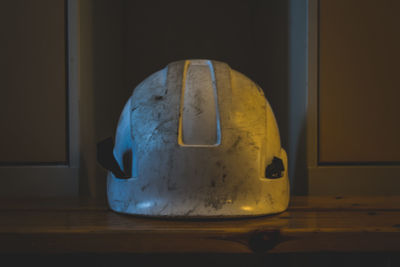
[196,139]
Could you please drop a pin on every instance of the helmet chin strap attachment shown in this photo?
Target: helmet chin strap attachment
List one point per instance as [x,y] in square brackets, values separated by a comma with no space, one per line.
[275,169]
[106,158]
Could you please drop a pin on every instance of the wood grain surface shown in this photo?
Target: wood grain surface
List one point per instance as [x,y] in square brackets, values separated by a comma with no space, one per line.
[311,224]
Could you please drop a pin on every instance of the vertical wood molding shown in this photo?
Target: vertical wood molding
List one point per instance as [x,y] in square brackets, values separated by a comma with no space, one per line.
[297,86]
[73,81]
[87,160]
[312,82]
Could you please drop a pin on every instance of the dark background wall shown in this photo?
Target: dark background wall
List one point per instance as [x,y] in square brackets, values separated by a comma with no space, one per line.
[251,36]
[126,41]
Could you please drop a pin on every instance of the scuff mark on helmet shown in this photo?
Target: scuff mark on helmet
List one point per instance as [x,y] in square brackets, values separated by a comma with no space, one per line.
[171,186]
[143,188]
[158,97]
[190,211]
[235,144]
[164,207]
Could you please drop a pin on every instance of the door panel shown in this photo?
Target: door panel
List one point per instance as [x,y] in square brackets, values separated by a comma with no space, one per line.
[33,102]
[359,90]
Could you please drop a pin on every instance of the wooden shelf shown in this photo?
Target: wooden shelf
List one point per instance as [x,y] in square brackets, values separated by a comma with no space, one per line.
[311,224]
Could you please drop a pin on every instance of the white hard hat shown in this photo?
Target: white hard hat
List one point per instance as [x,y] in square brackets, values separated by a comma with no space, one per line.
[196,139]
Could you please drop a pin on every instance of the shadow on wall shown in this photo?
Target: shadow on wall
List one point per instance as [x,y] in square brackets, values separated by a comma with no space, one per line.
[299,181]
